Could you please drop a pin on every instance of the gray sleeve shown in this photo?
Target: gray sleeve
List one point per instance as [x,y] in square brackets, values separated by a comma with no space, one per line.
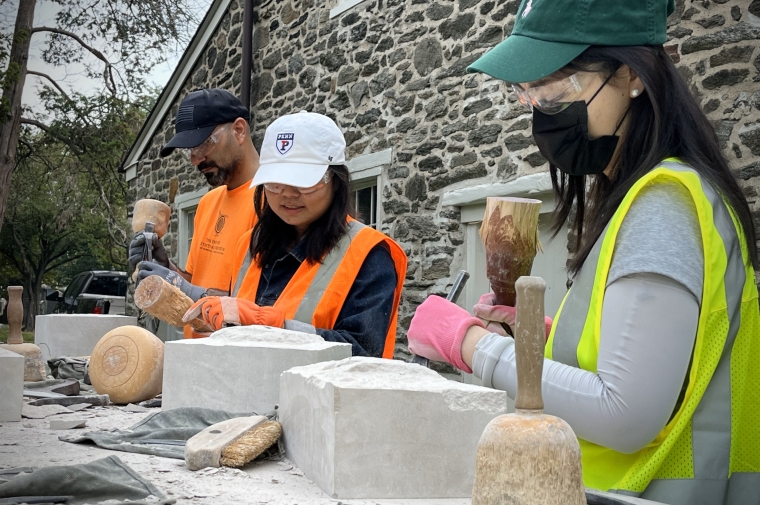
[649,325]
[660,234]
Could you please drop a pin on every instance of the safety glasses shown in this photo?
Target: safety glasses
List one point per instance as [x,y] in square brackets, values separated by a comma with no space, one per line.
[555,96]
[278,188]
[204,147]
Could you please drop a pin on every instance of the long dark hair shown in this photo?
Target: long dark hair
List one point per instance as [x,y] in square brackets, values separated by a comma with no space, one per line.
[666,121]
[272,237]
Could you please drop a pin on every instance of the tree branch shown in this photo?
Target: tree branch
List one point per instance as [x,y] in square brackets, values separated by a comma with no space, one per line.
[107,73]
[46,129]
[51,81]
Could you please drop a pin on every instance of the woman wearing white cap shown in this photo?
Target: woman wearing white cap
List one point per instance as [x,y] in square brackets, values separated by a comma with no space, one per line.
[307,264]
[650,357]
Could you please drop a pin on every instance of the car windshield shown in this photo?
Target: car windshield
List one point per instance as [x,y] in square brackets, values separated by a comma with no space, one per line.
[73,288]
[107,285]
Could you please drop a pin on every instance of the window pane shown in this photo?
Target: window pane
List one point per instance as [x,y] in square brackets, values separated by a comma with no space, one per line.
[366,205]
[190,227]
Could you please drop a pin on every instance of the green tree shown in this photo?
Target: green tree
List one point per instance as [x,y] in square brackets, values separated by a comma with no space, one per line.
[67,205]
[117,41]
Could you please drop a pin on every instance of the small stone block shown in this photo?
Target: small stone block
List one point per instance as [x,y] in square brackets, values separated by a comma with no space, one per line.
[33,412]
[205,449]
[131,407]
[74,334]
[409,432]
[238,369]
[66,424]
[78,406]
[11,385]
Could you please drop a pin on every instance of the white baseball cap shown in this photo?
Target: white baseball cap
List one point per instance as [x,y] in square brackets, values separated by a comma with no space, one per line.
[298,148]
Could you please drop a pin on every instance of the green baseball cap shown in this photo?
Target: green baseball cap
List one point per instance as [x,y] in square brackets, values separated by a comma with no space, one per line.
[549,34]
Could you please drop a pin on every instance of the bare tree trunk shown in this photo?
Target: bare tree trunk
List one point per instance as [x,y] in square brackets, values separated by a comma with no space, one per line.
[10,120]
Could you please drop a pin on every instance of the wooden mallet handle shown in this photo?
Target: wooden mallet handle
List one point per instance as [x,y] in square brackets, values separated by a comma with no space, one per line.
[530,339]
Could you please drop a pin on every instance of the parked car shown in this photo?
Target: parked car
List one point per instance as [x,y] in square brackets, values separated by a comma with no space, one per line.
[93,292]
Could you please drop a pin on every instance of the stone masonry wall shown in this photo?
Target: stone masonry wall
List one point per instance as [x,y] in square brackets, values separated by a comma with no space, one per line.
[392,74]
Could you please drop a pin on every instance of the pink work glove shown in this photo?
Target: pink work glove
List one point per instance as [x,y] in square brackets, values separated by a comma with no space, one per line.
[437,331]
[495,314]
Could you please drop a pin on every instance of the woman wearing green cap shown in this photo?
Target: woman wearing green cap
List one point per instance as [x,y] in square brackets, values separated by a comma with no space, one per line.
[649,358]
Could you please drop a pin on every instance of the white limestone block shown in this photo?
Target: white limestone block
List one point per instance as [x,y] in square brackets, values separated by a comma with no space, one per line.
[368,428]
[238,369]
[74,335]
[11,385]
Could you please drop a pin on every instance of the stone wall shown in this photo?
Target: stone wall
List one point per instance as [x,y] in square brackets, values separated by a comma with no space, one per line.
[392,74]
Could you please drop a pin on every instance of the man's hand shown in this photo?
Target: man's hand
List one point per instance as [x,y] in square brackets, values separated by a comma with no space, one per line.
[148,268]
[137,250]
[220,311]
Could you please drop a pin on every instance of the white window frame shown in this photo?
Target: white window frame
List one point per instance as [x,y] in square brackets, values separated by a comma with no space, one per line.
[368,170]
[185,203]
[342,6]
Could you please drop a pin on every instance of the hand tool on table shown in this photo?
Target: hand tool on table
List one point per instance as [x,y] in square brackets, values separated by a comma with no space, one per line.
[233,443]
[456,290]
[510,237]
[528,458]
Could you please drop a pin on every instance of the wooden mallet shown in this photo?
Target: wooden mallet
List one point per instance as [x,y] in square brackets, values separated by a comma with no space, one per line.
[151,217]
[528,458]
[510,237]
[166,302]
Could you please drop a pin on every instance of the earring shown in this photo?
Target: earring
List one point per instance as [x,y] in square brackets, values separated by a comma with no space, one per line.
[634,93]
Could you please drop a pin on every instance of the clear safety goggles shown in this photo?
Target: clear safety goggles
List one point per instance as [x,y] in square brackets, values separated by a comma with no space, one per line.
[204,147]
[555,96]
[278,188]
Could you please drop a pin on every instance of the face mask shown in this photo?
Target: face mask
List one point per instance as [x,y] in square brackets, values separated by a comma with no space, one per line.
[563,139]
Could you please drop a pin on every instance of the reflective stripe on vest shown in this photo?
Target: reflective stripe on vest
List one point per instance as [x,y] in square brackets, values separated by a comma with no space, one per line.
[325,274]
[316,292]
[716,432]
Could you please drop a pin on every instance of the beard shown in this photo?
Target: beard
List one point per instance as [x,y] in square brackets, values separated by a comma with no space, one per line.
[220,178]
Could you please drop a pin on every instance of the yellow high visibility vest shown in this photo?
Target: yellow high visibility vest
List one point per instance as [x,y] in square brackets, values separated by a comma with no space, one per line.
[709,452]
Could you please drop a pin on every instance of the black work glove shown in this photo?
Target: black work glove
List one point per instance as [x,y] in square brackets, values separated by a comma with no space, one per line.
[137,250]
[148,268]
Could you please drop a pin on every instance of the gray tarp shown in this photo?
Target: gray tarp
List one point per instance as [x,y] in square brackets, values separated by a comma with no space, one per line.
[160,434]
[104,479]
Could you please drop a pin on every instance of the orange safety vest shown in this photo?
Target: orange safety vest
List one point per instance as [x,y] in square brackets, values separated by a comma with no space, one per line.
[317,291]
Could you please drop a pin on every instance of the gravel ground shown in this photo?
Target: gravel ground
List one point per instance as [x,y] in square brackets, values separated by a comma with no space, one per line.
[32,443]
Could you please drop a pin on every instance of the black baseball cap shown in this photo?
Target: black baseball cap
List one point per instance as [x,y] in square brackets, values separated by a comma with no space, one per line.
[199,113]
[549,34]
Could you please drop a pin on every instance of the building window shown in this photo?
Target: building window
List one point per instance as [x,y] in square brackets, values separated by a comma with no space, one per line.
[190,220]
[341,6]
[366,205]
[366,177]
[187,204]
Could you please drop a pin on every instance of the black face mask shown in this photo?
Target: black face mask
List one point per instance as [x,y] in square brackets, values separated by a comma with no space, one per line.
[563,139]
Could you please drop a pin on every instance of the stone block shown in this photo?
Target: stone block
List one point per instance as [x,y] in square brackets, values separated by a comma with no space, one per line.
[238,369]
[367,428]
[11,385]
[74,334]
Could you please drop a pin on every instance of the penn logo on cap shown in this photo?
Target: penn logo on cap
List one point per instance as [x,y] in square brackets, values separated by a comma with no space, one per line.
[284,142]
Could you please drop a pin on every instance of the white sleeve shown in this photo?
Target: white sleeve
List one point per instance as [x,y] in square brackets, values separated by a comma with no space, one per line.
[649,325]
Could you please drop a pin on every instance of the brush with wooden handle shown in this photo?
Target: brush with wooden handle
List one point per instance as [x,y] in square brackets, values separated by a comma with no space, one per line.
[528,458]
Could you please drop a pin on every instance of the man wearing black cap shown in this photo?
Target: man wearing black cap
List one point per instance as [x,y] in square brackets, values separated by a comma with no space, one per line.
[213,133]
